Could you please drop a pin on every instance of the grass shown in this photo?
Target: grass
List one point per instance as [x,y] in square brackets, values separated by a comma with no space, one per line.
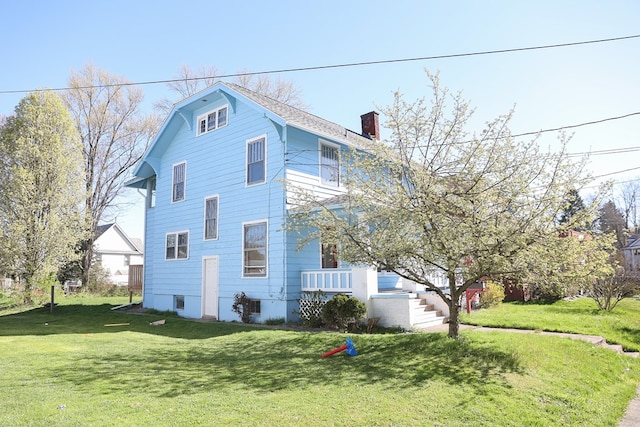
[580,316]
[90,366]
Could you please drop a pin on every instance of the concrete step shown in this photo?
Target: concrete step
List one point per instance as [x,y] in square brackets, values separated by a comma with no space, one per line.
[421,303]
[426,315]
[430,323]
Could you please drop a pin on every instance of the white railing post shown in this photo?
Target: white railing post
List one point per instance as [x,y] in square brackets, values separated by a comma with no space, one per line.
[365,284]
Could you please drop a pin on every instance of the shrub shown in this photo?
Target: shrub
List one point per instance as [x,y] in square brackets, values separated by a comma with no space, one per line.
[608,291]
[99,280]
[242,307]
[275,321]
[493,295]
[342,312]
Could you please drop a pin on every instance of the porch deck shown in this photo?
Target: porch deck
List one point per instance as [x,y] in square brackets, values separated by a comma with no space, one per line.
[396,303]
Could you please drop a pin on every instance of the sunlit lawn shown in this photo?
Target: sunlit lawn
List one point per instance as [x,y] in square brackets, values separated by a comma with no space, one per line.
[620,326]
[91,366]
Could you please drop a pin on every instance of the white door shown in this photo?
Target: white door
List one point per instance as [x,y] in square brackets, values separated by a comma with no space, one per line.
[210,286]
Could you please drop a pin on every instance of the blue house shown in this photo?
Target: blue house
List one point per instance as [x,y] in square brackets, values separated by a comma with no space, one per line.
[216,206]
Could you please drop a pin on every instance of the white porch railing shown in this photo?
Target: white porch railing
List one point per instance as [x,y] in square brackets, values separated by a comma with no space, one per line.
[328,280]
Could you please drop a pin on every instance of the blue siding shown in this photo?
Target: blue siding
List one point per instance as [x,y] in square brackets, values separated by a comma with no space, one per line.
[216,165]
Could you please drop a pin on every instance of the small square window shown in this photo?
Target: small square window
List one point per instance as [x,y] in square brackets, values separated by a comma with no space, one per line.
[254,306]
[178,302]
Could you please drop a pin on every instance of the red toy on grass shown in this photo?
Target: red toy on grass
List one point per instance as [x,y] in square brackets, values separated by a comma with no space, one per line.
[349,347]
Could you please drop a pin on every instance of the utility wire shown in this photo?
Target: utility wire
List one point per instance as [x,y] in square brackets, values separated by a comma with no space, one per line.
[593,122]
[326,67]
[605,152]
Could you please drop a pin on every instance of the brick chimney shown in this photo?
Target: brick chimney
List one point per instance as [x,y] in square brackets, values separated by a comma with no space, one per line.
[370,125]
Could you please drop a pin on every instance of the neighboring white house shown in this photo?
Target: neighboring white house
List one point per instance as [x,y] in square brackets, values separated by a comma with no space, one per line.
[116,251]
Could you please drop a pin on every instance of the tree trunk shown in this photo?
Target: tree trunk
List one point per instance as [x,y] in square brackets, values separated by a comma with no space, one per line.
[454,308]
[87,258]
[454,318]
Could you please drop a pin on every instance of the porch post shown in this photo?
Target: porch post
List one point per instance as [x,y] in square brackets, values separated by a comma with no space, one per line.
[364,284]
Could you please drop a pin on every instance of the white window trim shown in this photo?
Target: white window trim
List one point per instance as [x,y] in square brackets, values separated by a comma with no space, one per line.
[266,265]
[322,142]
[176,234]
[246,161]
[205,116]
[184,191]
[204,217]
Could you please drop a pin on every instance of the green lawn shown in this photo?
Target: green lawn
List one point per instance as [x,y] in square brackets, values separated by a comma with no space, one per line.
[74,367]
[581,316]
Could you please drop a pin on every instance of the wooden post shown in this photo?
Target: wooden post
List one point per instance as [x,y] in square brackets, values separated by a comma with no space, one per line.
[130,297]
[52,297]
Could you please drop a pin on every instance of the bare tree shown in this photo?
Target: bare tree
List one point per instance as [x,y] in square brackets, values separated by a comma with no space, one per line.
[629,194]
[281,90]
[189,82]
[115,133]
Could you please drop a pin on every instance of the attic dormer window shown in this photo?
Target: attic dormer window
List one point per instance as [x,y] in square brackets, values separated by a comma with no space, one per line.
[212,120]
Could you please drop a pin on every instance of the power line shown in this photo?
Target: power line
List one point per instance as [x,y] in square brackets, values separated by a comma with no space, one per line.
[615,173]
[622,150]
[593,122]
[345,65]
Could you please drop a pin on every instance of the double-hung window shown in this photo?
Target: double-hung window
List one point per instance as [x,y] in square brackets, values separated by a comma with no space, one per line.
[256,166]
[177,245]
[329,255]
[179,180]
[212,120]
[254,248]
[329,164]
[211,218]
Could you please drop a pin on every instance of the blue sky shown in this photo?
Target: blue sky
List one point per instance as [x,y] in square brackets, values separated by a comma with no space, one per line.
[150,40]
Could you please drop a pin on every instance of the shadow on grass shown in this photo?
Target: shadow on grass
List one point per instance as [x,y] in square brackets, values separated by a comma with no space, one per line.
[631,335]
[197,356]
[267,360]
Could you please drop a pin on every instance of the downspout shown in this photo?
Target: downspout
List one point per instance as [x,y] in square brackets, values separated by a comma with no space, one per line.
[144,227]
[285,273]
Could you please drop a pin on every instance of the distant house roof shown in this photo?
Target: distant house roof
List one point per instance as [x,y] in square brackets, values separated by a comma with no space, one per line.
[100,230]
[137,247]
[633,242]
[138,243]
